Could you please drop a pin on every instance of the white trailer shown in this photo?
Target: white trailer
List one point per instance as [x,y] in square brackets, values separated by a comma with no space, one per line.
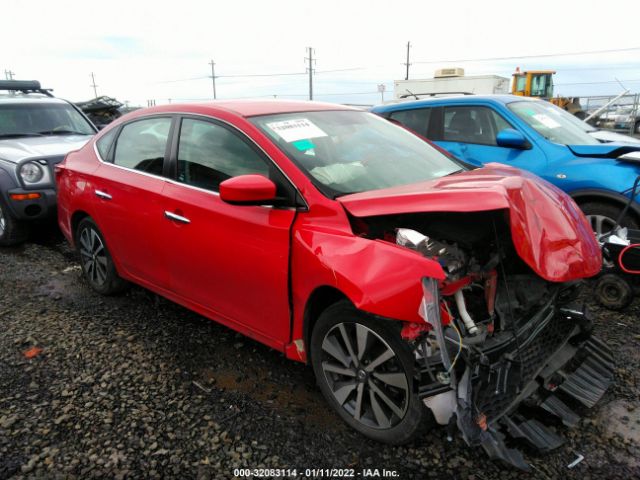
[450,80]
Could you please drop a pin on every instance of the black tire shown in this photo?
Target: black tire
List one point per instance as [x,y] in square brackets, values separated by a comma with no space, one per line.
[377,419]
[12,231]
[96,262]
[610,213]
[636,129]
[613,292]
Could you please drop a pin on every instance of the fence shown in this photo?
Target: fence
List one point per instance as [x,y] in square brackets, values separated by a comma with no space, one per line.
[620,114]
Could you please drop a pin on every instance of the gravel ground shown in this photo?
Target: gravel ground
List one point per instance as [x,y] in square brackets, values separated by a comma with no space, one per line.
[135,386]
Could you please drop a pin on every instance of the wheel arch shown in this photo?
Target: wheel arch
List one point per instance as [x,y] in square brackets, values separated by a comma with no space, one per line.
[319,300]
[611,198]
[76,218]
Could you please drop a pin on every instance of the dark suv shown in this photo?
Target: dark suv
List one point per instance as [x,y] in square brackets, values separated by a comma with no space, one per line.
[36,132]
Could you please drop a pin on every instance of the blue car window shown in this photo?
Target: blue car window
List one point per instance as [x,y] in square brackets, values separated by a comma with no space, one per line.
[415,120]
[472,124]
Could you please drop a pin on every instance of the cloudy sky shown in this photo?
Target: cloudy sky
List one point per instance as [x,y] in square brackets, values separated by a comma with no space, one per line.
[142,49]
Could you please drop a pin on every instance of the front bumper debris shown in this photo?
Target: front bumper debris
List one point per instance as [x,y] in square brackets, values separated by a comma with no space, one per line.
[512,388]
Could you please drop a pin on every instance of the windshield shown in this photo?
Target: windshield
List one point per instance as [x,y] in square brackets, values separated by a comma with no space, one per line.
[553,123]
[42,119]
[349,151]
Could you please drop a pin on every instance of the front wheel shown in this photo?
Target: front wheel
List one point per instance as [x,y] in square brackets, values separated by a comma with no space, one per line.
[12,231]
[366,373]
[603,217]
[96,262]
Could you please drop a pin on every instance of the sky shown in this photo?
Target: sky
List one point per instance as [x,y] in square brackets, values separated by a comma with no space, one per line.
[140,50]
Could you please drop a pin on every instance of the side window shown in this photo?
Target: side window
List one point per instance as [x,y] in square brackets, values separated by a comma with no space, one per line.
[415,120]
[478,125]
[209,153]
[103,144]
[141,145]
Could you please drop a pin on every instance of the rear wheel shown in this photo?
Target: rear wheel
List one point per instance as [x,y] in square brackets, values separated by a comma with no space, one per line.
[96,262]
[366,373]
[603,217]
[12,230]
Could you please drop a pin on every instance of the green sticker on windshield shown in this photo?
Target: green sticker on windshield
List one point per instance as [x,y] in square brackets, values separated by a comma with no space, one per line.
[303,145]
[529,112]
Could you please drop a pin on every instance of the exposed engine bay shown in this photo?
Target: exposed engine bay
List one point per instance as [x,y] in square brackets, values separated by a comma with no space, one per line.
[501,347]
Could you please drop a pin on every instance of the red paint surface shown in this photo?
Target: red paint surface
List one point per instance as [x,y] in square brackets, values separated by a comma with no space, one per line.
[254,268]
[548,229]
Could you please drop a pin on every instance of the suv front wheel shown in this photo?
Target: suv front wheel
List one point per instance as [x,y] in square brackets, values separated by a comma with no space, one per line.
[12,231]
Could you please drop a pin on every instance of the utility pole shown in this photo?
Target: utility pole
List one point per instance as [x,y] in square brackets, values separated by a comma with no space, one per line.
[310,70]
[8,74]
[93,84]
[213,77]
[407,64]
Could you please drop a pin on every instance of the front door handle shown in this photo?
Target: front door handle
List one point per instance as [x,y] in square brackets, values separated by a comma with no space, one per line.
[177,218]
[103,195]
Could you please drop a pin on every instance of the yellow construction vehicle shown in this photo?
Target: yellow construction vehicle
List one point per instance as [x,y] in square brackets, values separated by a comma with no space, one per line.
[539,84]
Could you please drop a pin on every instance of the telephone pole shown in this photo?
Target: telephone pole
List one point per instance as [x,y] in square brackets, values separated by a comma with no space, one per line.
[8,74]
[213,77]
[310,70]
[407,64]
[93,84]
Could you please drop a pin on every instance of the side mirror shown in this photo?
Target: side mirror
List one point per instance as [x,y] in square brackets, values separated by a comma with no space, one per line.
[511,138]
[248,190]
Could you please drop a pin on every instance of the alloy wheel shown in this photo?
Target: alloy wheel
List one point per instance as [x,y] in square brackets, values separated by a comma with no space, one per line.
[601,225]
[93,256]
[364,375]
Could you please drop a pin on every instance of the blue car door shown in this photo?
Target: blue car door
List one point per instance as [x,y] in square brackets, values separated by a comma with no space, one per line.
[469,132]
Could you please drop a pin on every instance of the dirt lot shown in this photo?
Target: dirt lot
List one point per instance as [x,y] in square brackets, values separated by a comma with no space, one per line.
[137,387]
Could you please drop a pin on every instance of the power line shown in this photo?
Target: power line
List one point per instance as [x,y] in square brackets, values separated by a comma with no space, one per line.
[545,55]
[596,83]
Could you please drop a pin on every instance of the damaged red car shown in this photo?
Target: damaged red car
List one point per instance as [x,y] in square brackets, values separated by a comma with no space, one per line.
[419,290]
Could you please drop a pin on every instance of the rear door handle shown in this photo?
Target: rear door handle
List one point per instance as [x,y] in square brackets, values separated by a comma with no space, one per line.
[103,195]
[177,218]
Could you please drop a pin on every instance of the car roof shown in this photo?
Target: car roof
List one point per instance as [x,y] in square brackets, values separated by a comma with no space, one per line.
[449,100]
[29,98]
[245,108]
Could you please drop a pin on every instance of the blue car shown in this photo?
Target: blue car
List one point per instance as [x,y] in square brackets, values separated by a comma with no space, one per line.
[532,135]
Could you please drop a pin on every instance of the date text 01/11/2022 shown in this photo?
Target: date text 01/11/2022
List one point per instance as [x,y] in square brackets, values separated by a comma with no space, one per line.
[316,472]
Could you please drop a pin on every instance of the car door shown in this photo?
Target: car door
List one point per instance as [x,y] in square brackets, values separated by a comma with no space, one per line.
[232,261]
[469,132]
[128,190]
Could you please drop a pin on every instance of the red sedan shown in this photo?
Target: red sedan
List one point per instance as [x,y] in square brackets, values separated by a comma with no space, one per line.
[417,289]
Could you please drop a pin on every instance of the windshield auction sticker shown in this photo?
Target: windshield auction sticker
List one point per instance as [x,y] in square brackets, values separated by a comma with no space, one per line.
[296,129]
[546,121]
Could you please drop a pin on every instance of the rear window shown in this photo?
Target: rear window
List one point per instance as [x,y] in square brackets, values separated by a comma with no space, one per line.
[142,144]
[103,144]
[415,120]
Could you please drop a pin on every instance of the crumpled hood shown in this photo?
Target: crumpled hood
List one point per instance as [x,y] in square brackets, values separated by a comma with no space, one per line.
[603,150]
[549,231]
[17,149]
